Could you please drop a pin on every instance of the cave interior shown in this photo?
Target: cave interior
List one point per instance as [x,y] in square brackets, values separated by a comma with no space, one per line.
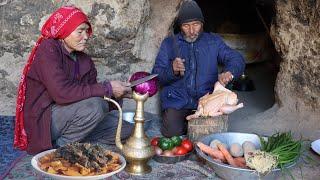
[244,25]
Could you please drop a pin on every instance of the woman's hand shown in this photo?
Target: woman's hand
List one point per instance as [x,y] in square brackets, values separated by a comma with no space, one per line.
[120,89]
[128,95]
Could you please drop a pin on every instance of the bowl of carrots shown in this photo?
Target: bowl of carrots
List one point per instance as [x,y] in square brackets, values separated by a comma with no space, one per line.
[229,154]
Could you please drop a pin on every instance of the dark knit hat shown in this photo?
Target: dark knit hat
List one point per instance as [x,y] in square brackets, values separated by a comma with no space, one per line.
[189,11]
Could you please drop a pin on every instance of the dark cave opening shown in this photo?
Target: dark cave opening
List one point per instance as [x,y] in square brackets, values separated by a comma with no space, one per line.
[241,17]
[244,26]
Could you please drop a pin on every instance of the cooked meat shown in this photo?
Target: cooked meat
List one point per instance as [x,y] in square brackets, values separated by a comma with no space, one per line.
[87,155]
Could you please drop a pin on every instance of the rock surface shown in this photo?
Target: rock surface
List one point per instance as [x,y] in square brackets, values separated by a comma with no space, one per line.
[126,38]
[296,35]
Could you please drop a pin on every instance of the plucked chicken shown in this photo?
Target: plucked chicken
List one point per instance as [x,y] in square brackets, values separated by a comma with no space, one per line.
[220,101]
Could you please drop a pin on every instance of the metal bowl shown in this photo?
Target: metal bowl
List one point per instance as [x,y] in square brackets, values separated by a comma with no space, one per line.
[171,159]
[315,146]
[128,116]
[253,47]
[228,172]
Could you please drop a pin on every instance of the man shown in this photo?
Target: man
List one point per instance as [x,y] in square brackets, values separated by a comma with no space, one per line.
[187,64]
[59,99]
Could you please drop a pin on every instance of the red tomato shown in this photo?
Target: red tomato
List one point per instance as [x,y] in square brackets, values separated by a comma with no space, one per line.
[187,144]
[180,150]
[174,150]
[155,141]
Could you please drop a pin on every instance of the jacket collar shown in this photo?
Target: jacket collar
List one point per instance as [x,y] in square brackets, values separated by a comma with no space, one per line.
[65,51]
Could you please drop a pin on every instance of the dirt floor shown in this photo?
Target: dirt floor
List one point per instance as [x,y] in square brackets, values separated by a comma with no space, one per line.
[258,101]
[263,75]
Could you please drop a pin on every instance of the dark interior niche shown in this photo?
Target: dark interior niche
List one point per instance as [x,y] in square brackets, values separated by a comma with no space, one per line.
[244,25]
[234,16]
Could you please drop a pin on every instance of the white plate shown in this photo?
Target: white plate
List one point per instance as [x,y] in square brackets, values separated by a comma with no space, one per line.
[35,160]
[315,145]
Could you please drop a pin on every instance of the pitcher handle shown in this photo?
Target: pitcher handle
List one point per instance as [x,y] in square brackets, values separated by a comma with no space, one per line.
[118,134]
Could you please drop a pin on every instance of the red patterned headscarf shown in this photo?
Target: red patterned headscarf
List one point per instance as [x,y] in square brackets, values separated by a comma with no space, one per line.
[59,26]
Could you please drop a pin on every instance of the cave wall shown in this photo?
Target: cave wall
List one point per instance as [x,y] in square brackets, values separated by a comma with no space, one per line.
[295,32]
[126,38]
[297,35]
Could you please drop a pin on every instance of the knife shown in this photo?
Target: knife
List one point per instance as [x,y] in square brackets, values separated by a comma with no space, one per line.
[142,80]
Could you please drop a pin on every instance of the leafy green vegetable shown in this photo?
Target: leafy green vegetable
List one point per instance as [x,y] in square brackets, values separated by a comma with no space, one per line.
[283,146]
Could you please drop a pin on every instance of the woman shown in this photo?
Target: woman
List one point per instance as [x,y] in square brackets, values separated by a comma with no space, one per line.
[59,99]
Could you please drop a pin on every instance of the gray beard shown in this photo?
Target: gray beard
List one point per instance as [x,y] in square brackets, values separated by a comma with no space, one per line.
[191,40]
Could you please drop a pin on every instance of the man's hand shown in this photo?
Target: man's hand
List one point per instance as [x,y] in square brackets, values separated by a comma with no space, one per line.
[120,89]
[225,78]
[178,66]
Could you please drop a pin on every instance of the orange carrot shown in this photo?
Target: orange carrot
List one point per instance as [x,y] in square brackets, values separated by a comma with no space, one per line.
[240,159]
[214,153]
[241,162]
[227,155]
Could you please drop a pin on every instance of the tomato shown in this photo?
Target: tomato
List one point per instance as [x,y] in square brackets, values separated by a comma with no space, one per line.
[155,141]
[180,150]
[187,144]
[174,149]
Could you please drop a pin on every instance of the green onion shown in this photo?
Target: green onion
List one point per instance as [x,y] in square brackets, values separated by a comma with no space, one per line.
[283,146]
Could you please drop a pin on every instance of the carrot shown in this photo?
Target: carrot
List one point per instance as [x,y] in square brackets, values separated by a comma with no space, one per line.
[214,153]
[227,155]
[241,162]
[240,159]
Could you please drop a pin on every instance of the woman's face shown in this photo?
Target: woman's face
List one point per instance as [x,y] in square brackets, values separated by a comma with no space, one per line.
[77,40]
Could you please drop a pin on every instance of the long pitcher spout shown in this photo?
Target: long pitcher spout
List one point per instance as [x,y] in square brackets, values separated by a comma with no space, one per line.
[118,133]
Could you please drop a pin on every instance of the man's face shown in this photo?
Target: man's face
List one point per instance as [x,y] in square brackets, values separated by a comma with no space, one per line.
[77,40]
[191,30]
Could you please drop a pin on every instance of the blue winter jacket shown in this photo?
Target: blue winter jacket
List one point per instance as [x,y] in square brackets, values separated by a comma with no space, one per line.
[201,63]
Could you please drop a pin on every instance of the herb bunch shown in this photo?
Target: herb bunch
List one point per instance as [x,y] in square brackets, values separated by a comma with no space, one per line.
[283,146]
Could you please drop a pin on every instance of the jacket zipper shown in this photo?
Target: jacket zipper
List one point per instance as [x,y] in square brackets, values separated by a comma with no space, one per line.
[195,63]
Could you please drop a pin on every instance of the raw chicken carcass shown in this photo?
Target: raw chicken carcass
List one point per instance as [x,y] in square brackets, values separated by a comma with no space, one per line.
[220,101]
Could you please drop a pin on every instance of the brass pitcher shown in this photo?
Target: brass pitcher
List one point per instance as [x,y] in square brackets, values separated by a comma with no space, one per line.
[137,149]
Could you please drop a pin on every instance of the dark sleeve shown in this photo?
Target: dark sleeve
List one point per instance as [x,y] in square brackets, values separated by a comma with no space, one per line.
[230,58]
[93,80]
[163,64]
[63,90]
[93,74]
[108,87]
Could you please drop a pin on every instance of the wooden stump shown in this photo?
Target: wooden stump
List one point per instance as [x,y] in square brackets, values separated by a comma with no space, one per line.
[203,126]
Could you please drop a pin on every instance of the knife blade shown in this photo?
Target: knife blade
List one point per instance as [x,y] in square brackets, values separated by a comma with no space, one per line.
[142,80]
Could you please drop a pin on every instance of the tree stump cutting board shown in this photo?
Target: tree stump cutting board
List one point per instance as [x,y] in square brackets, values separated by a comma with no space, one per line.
[203,126]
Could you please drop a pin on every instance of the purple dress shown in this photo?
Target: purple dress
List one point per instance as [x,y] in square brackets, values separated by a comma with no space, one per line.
[54,77]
